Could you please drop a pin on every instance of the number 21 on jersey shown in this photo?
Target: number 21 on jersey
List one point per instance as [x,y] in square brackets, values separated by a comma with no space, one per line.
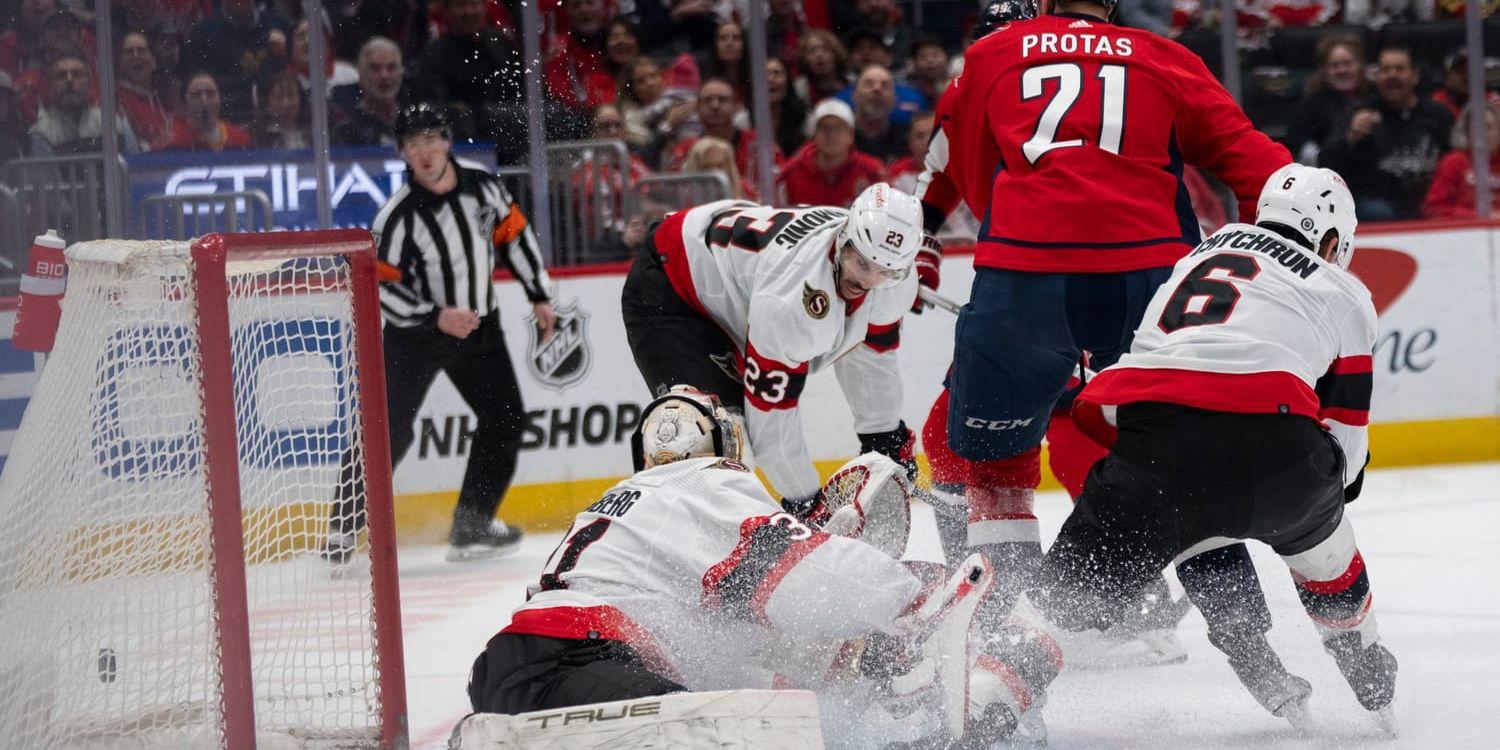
[1070,80]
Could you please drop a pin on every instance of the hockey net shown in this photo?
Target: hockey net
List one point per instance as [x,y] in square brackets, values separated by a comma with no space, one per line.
[168,493]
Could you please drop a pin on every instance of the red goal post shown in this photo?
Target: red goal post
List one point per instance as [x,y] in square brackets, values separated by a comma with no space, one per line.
[204,407]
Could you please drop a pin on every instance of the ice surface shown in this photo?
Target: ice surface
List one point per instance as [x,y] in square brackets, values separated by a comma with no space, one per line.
[1431,539]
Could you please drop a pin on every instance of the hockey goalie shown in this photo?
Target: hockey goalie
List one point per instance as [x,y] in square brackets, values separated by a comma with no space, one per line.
[688,577]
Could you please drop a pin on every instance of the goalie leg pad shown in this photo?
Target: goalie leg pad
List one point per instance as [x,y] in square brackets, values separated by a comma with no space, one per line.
[739,719]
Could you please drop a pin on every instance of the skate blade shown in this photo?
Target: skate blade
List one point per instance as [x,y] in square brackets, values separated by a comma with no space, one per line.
[475,552]
[1385,718]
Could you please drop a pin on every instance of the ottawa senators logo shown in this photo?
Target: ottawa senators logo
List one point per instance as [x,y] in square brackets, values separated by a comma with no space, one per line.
[815,301]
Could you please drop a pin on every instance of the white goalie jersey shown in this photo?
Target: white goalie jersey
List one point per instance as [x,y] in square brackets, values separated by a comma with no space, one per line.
[766,277]
[1249,322]
[696,567]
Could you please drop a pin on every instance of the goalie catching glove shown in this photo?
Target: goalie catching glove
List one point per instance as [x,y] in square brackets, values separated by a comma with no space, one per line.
[869,499]
[928,266]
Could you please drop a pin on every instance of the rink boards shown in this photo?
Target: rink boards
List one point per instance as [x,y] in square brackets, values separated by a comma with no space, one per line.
[1437,383]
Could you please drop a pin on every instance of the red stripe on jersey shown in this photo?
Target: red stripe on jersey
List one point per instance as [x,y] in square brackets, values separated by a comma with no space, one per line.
[1351,417]
[769,384]
[1355,365]
[1240,393]
[1342,582]
[598,622]
[883,338]
[991,253]
[671,249]
[1017,686]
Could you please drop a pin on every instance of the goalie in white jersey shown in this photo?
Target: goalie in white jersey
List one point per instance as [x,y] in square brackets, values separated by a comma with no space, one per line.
[744,301]
[1240,412]
[689,576]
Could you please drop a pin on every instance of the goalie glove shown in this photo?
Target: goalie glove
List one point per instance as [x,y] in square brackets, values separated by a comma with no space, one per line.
[869,499]
[928,266]
[899,445]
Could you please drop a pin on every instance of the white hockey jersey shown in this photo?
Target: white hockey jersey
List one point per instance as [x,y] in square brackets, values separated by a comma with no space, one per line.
[694,565]
[1249,322]
[765,276]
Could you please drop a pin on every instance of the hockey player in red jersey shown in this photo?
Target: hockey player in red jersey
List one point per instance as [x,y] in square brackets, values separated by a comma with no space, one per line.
[1067,136]
[689,576]
[1241,412]
[745,301]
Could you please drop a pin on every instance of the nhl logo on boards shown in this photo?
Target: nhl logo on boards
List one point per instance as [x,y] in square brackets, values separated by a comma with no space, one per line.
[566,358]
[815,301]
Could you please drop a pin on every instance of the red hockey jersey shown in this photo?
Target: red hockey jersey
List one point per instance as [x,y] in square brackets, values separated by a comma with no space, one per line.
[1068,136]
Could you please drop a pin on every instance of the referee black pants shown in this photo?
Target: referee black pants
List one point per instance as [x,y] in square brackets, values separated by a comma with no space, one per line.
[480,368]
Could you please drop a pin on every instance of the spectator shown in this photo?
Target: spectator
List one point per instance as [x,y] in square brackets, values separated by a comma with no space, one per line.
[70,123]
[622,46]
[235,44]
[575,73]
[1452,193]
[476,71]
[829,171]
[282,120]
[1389,148]
[880,19]
[822,65]
[21,47]
[728,60]
[609,124]
[927,72]
[1378,13]
[139,99]
[368,120]
[14,143]
[159,16]
[905,172]
[1454,91]
[788,111]
[1332,95]
[710,154]
[785,25]
[1154,16]
[199,127]
[670,27]
[167,49]
[336,72]
[716,109]
[602,194]
[62,33]
[657,116]
[908,101]
[876,131]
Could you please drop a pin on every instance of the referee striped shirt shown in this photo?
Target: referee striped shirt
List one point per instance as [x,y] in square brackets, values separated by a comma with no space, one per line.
[444,246]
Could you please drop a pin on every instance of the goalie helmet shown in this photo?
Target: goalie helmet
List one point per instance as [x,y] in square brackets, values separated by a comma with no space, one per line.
[684,423]
[885,228]
[1312,202]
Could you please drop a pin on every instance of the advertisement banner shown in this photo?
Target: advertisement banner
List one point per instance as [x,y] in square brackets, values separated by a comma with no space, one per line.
[361,180]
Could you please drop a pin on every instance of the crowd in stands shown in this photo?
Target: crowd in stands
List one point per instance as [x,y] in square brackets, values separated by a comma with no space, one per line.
[1376,89]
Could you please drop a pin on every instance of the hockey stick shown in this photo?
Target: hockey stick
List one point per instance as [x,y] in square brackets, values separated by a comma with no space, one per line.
[932,299]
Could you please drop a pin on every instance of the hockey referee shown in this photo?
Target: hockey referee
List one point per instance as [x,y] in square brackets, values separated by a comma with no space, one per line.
[442,232]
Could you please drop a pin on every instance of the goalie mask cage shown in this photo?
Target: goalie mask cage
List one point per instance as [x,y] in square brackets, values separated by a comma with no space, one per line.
[169,490]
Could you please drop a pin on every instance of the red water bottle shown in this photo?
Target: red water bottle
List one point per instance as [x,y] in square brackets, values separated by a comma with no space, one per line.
[42,288]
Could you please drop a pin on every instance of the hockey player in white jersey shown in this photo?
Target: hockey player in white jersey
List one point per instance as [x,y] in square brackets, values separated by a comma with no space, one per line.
[744,301]
[688,576]
[1240,412]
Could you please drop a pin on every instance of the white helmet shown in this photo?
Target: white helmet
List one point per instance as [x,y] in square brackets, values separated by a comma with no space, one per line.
[885,227]
[685,423]
[1310,201]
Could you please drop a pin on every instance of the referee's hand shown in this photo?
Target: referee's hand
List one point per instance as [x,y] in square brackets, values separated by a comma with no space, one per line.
[546,319]
[457,322]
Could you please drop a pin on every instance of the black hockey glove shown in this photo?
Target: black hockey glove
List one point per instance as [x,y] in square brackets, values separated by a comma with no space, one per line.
[807,509]
[899,445]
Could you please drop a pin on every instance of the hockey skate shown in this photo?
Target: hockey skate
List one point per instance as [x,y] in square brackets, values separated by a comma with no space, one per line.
[1260,670]
[1371,672]
[484,543]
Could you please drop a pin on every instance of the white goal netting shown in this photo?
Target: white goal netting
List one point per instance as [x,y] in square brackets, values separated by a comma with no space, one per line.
[109,606]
